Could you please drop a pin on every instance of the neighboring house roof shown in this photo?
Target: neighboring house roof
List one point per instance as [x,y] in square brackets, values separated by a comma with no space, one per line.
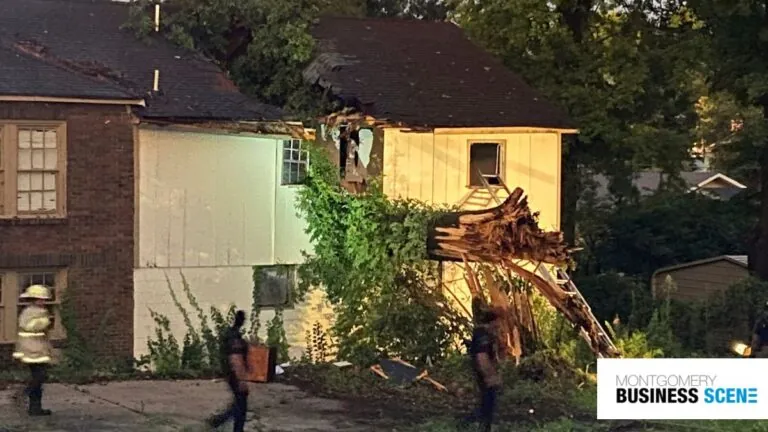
[76,48]
[740,260]
[647,182]
[423,73]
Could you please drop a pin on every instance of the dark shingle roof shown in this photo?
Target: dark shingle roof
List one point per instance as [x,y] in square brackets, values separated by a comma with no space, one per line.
[23,75]
[423,73]
[85,36]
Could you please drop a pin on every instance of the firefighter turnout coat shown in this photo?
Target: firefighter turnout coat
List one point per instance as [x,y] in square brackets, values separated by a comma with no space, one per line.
[32,345]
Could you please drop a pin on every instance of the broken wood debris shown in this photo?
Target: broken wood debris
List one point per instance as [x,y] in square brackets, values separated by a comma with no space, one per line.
[401,372]
[508,237]
[510,230]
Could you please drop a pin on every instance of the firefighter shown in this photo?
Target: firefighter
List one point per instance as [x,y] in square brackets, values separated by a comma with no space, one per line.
[483,350]
[235,360]
[33,347]
[760,335]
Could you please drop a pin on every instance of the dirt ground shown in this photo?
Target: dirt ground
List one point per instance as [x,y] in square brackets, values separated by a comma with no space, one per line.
[181,406]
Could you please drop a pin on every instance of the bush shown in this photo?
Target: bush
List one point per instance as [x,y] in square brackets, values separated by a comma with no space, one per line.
[198,354]
[611,294]
[710,325]
[371,260]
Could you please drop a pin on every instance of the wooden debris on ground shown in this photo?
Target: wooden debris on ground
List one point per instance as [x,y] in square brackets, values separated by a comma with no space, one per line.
[402,372]
[507,236]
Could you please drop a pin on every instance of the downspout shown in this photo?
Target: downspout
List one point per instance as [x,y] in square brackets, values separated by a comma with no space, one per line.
[278,181]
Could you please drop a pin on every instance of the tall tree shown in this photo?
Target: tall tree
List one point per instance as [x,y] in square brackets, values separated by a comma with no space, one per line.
[265,44]
[738,32]
[623,70]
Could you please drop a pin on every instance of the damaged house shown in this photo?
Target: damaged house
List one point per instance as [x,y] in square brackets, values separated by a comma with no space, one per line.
[123,162]
[441,120]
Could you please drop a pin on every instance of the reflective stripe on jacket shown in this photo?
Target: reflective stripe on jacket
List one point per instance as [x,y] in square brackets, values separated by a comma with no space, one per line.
[32,344]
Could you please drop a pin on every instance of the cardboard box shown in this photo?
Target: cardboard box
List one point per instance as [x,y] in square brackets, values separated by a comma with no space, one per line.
[261,363]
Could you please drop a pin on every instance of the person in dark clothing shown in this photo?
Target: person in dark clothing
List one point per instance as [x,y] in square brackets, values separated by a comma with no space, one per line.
[482,351]
[234,353]
[760,336]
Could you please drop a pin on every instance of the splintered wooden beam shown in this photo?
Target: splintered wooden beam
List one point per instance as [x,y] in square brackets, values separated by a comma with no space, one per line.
[503,236]
[495,234]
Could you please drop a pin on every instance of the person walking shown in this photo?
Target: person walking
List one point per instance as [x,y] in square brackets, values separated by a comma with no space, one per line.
[33,347]
[234,352]
[483,353]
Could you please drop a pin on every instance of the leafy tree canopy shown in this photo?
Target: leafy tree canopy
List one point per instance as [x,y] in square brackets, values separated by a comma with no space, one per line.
[626,72]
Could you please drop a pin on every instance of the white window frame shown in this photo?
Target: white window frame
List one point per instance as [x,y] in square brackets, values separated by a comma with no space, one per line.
[291,146]
[10,304]
[9,169]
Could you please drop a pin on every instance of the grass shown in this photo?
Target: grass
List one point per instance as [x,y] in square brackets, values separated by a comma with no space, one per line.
[561,401]
[570,425]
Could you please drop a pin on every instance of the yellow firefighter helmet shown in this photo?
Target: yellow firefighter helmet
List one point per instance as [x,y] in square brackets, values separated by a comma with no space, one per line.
[40,292]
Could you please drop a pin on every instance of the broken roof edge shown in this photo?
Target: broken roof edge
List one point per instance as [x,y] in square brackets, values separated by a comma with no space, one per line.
[268,127]
[355,117]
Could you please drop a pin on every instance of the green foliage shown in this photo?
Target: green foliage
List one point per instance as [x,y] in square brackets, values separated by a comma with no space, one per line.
[662,230]
[610,294]
[199,351]
[253,331]
[164,350]
[709,326]
[370,258]
[736,32]
[78,354]
[264,45]
[276,336]
[318,345]
[632,70]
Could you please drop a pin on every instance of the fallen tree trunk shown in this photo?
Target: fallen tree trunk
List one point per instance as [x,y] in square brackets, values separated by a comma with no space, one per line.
[504,236]
[509,230]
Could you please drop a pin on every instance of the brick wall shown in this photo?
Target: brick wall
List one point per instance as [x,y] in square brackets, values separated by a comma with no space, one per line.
[95,240]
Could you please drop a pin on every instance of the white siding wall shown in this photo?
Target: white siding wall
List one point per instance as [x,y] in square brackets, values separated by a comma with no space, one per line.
[211,206]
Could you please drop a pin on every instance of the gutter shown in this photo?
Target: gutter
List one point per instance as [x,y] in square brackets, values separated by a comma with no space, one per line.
[73,100]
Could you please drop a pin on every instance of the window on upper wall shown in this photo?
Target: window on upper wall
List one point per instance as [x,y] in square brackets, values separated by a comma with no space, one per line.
[32,169]
[485,161]
[276,284]
[295,162]
[12,285]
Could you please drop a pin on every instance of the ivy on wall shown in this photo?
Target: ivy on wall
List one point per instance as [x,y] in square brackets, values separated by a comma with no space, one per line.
[370,257]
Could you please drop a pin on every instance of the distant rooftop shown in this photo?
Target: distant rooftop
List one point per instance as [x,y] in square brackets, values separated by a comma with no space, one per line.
[647,182]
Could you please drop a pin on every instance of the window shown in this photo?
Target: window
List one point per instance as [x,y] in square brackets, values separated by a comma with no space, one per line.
[13,283]
[295,162]
[485,160]
[276,284]
[32,169]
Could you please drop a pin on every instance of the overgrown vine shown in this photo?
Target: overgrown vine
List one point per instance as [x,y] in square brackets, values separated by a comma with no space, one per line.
[370,258]
[253,332]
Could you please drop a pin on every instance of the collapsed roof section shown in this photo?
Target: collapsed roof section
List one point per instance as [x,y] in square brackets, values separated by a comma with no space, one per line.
[423,74]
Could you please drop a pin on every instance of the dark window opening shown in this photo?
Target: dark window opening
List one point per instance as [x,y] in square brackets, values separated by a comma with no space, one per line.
[276,284]
[485,161]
